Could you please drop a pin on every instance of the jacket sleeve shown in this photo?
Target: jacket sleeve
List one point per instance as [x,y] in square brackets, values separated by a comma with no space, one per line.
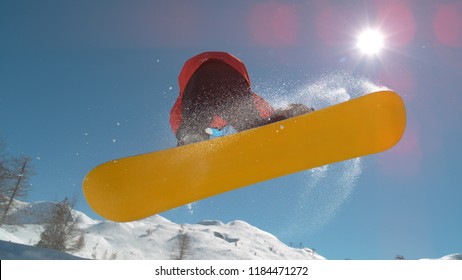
[175,116]
[264,108]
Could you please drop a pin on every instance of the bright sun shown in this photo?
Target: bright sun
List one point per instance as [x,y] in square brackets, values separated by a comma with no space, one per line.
[370,42]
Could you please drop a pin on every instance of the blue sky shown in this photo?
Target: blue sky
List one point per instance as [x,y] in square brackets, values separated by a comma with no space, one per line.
[85,82]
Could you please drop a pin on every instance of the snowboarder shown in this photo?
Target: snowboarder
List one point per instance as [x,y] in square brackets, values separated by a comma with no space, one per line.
[215,91]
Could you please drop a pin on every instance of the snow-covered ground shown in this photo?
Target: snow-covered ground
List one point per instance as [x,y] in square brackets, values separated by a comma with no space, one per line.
[151,238]
[15,251]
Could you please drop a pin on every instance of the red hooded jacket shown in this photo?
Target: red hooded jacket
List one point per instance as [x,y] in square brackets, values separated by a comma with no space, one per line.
[190,68]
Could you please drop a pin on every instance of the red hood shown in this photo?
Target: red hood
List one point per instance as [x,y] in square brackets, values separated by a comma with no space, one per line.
[195,62]
[190,68]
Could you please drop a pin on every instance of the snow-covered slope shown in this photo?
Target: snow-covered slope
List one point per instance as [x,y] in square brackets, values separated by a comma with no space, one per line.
[151,238]
[15,251]
[450,257]
[156,238]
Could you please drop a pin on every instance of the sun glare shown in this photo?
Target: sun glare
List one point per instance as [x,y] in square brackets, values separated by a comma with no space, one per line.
[370,42]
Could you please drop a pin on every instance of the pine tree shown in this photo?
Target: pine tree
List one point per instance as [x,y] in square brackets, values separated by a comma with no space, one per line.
[61,231]
[184,246]
[17,186]
[4,180]
[14,175]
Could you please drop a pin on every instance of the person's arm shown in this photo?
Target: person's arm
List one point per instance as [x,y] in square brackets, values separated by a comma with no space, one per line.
[293,110]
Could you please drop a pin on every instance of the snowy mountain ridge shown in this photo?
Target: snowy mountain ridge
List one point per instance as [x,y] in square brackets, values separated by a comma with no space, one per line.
[156,238]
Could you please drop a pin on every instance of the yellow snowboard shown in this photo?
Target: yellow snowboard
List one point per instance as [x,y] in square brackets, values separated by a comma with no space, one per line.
[139,186]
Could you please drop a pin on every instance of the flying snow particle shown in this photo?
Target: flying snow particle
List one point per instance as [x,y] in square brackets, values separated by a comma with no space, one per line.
[324,190]
[190,207]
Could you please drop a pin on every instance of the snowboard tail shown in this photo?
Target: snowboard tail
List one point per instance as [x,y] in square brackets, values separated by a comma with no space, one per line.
[139,186]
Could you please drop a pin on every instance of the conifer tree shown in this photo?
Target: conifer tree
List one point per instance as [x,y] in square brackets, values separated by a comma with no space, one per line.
[61,231]
[14,176]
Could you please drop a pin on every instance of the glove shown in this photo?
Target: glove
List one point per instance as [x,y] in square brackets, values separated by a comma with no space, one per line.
[214,132]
